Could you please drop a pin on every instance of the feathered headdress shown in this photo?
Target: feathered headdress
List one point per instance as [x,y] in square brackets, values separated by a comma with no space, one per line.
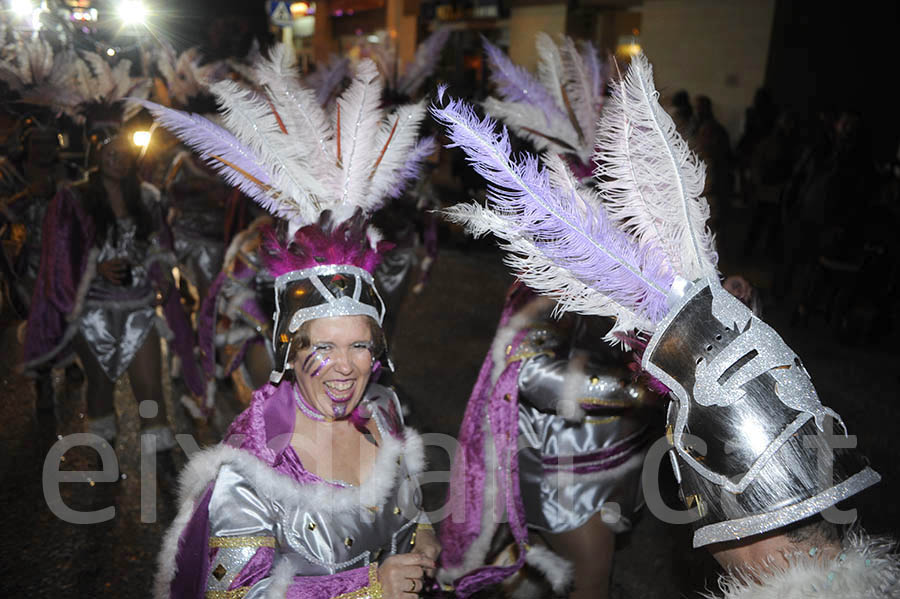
[185,75]
[636,247]
[282,149]
[40,76]
[558,109]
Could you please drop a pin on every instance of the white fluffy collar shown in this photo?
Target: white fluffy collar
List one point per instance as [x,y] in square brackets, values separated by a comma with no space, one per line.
[867,567]
[269,483]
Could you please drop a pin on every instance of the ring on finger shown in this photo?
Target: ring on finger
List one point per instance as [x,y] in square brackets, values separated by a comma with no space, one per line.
[412,587]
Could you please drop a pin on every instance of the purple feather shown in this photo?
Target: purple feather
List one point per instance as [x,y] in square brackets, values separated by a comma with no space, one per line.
[568,231]
[516,84]
[411,169]
[331,77]
[208,139]
[427,57]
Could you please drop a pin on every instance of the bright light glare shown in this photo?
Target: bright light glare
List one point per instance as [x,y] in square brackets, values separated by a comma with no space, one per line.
[299,9]
[372,39]
[132,12]
[22,8]
[141,138]
[110,51]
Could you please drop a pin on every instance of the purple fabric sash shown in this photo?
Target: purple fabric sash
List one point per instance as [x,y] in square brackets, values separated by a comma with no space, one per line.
[68,235]
[467,479]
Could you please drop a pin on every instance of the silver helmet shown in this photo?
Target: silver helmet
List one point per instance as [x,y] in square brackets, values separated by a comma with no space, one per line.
[753,448]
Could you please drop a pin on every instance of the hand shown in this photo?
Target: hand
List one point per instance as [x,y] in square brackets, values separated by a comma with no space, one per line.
[402,576]
[113,270]
[427,545]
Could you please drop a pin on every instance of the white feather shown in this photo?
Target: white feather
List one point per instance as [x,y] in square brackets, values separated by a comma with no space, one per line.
[403,140]
[648,176]
[580,90]
[254,124]
[306,122]
[360,118]
[550,70]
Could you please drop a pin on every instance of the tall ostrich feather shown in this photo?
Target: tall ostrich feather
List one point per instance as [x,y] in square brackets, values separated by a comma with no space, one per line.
[558,109]
[280,147]
[559,243]
[650,179]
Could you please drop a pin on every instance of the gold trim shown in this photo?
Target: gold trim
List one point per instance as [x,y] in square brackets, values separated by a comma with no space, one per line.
[609,403]
[235,542]
[372,591]
[519,356]
[424,526]
[237,593]
[606,420]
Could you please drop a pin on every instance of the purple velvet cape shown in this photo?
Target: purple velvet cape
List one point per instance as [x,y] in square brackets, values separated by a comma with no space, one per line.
[499,403]
[263,430]
[69,234]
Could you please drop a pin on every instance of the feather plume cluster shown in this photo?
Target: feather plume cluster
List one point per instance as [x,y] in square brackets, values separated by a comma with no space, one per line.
[281,148]
[184,74]
[41,77]
[558,109]
[559,242]
[612,249]
[323,243]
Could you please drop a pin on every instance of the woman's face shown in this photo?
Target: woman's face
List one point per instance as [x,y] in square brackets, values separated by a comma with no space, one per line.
[333,371]
[116,158]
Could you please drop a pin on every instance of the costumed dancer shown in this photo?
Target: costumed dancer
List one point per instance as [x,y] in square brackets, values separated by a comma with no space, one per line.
[584,425]
[310,493]
[638,249]
[233,323]
[196,195]
[105,267]
[408,221]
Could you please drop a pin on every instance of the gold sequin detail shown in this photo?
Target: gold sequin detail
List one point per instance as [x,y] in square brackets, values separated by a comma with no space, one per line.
[372,591]
[219,572]
[424,526]
[311,526]
[397,511]
[237,593]
[235,542]
[348,542]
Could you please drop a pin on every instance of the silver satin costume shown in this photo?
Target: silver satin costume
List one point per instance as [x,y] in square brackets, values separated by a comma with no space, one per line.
[310,527]
[569,471]
[115,330]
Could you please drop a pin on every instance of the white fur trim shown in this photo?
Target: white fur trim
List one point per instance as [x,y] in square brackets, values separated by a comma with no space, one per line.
[204,467]
[557,570]
[869,568]
[281,579]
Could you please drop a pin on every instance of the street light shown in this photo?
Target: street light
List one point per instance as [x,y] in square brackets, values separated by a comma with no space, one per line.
[132,12]
[23,8]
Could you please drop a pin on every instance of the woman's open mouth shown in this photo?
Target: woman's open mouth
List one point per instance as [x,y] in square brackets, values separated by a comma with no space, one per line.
[339,391]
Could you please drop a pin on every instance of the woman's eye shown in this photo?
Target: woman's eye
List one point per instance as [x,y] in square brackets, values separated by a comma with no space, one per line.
[322,348]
